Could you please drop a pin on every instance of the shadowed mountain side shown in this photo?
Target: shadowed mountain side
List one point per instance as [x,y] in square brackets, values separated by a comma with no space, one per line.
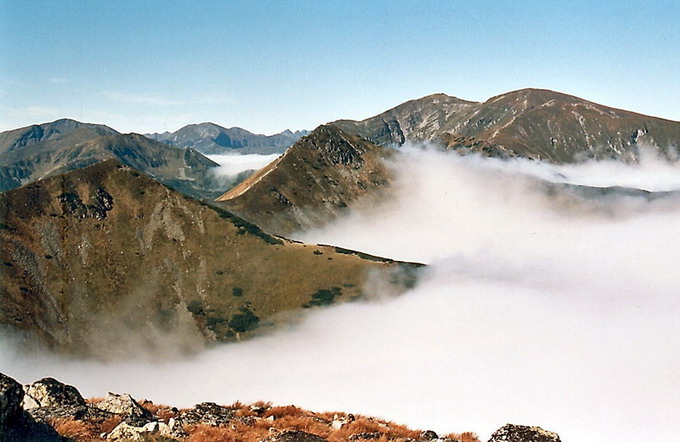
[57,133]
[104,260]
[313,182]
[533,123]
[209,139]
[26,153]
[29,157]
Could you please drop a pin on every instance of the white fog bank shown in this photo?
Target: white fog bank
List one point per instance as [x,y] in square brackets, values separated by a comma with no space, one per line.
[541,306]
[232,165]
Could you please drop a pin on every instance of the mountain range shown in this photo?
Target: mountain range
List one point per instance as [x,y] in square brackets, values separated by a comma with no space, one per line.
[105,231]
[531,123]
[40,151]
[211,139]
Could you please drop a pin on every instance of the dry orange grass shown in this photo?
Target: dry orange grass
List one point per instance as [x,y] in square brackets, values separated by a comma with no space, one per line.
[162,412]
[259,421]
[74,429]
[109,424]
[468,436]
[362,424]
[234,433]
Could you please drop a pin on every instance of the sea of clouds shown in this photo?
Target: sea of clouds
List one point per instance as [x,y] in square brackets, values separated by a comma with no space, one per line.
[544,303]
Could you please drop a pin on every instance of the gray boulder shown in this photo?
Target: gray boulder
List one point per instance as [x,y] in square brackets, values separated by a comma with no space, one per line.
[294,436]
[49,392]
[123,404]
[523,433]
[208,413]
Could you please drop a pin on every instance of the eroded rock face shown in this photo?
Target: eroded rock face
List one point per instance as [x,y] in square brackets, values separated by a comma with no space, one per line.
[523,433]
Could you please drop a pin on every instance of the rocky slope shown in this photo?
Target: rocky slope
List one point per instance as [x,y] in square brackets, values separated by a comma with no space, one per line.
[209,139]
[48,410]
[317,179]
[533,123]
[104,260]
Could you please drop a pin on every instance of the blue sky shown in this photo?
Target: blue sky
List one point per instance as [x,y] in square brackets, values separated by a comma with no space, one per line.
[270,65]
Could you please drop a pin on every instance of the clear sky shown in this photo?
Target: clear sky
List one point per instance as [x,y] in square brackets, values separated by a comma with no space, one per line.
[266,66]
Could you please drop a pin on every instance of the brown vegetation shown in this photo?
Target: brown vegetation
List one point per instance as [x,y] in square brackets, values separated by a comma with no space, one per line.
[258,421]
[267,420]
[74,429]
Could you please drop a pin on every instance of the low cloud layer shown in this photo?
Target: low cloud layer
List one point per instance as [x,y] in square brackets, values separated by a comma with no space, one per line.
[232,165]
[543,304]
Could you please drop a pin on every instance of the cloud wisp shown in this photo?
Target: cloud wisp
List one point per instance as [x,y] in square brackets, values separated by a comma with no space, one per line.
[542,305]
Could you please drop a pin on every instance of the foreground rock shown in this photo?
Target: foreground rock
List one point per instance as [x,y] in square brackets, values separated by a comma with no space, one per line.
[57,412]
[15,423]
[523,433]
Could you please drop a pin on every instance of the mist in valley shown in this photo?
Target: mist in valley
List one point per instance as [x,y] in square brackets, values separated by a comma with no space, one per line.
[233,164]
[544,303]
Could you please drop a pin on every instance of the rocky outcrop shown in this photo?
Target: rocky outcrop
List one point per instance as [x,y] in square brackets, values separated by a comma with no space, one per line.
[294,436]
[125,406]
[57,412]
[523,433]
[15,423]
[11,394]
[208,413]
[48,392]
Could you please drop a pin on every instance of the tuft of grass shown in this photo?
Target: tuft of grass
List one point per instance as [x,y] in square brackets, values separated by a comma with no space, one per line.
[74,429]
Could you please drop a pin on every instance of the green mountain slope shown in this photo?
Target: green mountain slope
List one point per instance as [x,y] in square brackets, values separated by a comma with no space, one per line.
[105,260]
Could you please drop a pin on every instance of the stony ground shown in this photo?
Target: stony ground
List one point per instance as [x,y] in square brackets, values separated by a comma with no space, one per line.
[48,410]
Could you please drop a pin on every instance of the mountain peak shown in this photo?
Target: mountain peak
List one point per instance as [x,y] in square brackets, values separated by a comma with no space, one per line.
[316,179]
[535,123]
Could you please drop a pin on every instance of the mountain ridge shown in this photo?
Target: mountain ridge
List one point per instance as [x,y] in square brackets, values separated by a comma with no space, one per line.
[40,151]
[210,138]
[315,180]
[103,260]
[532,123]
